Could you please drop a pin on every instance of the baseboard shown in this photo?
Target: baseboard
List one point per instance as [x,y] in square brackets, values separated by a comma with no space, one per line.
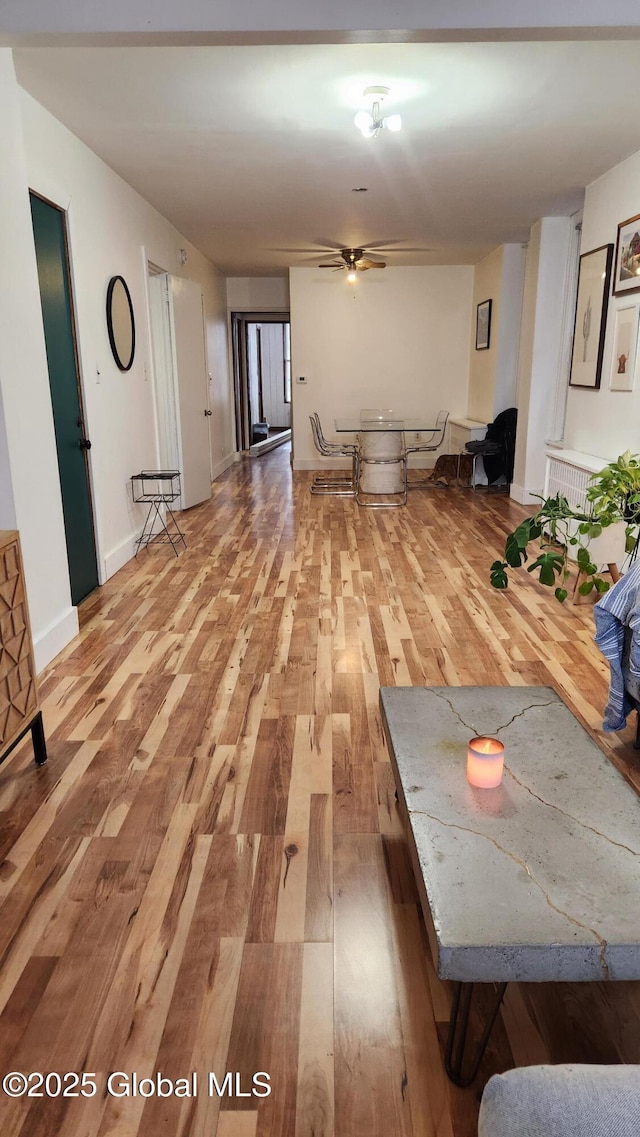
[119,556]
[48,643]
[322,464]
[522,496]
[223,465]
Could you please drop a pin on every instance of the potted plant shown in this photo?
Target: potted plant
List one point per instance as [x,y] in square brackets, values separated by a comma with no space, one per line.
[613,498]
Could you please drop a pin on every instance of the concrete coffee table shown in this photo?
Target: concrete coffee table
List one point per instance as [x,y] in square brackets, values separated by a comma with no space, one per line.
[535,881]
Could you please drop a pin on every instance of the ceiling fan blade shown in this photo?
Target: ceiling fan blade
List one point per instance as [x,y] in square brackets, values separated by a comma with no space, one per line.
[366,262]
[334,265]
[322,242]
[394,247]
[408,249]
[380,244]
[318,252]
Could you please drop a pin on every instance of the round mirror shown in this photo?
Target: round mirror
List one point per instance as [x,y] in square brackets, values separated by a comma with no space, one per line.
[120,323]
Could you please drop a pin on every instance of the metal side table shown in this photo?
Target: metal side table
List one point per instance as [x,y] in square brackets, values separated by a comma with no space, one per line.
[158,488]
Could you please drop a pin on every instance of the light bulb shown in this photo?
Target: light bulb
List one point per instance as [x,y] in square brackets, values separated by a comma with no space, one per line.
[352,276]
[364,123]
[393,122]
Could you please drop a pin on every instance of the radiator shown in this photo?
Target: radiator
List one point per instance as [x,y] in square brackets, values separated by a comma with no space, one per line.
[570,481]
[569,472]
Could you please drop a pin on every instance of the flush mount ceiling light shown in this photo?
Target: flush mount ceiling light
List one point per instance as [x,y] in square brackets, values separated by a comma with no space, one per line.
[370,123]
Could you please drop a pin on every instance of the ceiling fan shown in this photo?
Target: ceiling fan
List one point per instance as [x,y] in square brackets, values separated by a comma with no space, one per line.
[354,260]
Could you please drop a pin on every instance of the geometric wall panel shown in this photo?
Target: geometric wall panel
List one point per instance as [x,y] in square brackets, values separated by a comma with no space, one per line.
[18,692]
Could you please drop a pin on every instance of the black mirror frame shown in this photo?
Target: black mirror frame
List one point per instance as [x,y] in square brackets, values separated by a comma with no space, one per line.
[124,366]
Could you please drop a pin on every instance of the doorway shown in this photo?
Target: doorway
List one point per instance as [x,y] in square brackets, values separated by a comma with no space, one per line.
[181,381]
[261,344]
[72,444]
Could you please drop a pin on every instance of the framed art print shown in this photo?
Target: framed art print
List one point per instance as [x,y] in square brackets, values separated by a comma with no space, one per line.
[483,325]
[625,339]
[594,276]
[626,277]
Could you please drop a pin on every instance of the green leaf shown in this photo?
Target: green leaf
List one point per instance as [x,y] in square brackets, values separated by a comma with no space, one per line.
[586,587]
[514,552]
[522,535]
[498,576]
[602,585]
[547,575]
[582,557]
[561,594]
[549,565]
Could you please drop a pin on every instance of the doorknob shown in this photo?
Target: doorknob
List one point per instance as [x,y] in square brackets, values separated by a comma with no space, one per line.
[208,414]
[85,444]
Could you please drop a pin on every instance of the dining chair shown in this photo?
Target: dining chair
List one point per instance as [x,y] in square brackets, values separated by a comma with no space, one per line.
[435,441]
[343,484]
[377,414]
[388,450]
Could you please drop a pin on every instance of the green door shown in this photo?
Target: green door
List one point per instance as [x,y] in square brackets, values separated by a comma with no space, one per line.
[49,231]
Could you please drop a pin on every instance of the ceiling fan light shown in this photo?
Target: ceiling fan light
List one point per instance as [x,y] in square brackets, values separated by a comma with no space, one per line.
[364,123]
[393,122]
[352,276]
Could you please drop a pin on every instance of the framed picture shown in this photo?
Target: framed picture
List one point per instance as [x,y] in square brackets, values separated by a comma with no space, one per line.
[483,325]
[626,277]
[625,339]
[594,277]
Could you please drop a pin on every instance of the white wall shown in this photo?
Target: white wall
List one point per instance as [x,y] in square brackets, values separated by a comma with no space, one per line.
[32,500]
[114,231]
[487,285]
[508,347]
[493,371]
[398,339]
[109,224]
[604,422]
[257,293]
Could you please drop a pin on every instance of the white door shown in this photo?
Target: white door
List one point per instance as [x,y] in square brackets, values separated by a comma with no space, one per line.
[187,322]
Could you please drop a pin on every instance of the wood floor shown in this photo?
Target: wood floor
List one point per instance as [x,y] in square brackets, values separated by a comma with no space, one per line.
[210,874]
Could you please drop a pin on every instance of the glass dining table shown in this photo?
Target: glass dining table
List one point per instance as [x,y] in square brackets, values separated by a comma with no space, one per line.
[383,455]
[355,425]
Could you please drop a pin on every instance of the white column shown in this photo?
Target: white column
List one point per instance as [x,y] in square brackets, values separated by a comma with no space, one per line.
[541,342]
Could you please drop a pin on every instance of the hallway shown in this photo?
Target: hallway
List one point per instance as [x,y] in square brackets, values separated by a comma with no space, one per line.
[210,874]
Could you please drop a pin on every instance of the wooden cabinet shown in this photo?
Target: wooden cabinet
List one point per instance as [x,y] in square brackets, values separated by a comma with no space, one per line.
[19,707]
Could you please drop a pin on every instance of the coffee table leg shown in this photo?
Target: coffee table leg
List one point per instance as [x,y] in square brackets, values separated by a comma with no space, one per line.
[38,739]
[454,1055]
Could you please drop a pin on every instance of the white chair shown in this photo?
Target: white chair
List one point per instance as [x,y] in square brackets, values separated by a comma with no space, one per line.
[435,441]
[377,414]
[383,470]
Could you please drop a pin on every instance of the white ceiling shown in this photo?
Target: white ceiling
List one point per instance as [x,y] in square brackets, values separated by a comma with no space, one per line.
[251,151]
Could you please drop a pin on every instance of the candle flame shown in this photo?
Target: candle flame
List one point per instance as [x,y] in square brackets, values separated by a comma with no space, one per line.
[485,759]
[484,745]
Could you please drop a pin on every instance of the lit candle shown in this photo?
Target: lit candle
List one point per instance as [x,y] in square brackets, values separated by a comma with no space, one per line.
[485,760]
